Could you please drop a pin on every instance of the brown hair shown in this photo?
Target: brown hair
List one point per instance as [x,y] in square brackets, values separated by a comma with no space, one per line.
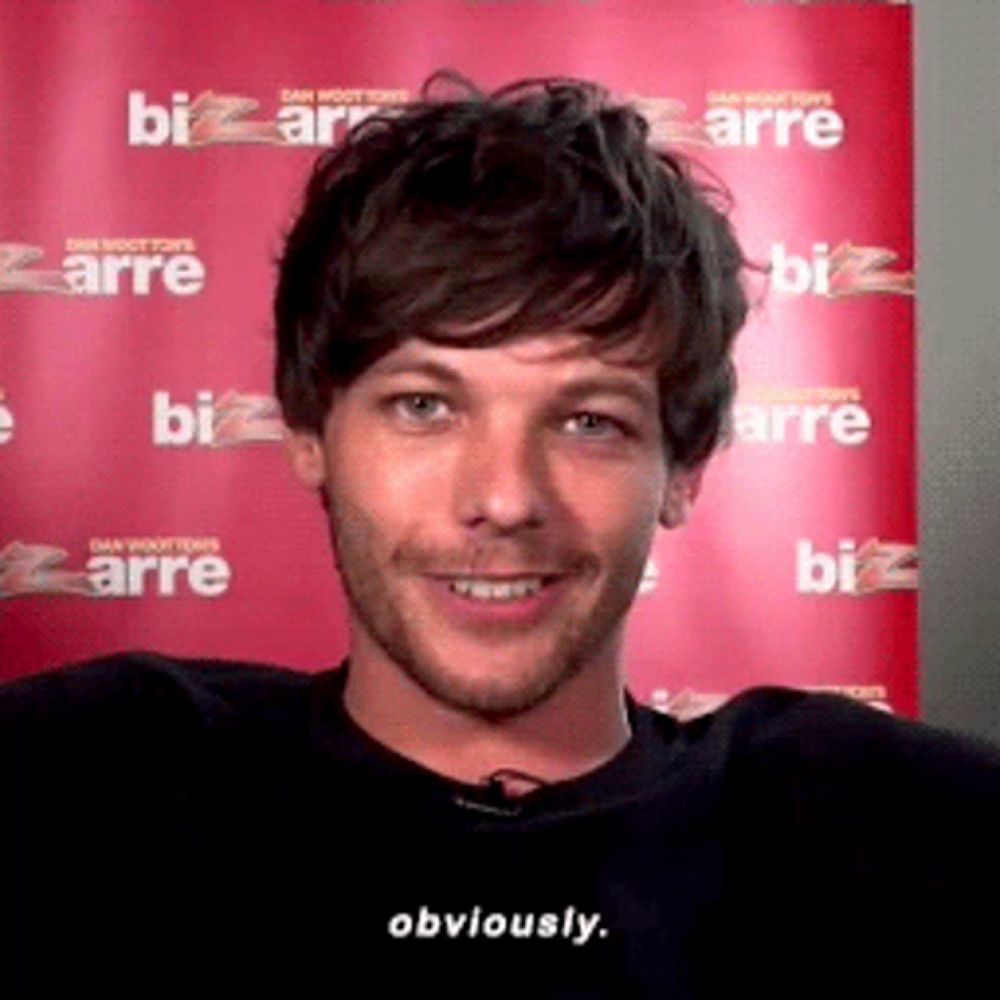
[473,218]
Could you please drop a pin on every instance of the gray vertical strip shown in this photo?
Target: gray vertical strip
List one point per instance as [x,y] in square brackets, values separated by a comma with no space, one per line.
[958,321]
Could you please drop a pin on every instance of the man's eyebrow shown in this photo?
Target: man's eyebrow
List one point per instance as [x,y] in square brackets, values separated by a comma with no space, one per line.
[576,388]
[402,366]
[601,385]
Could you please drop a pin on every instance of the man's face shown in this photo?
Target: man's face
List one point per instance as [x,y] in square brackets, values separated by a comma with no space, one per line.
[491,511]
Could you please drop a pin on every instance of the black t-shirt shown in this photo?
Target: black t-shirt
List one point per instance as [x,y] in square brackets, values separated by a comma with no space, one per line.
[211,829]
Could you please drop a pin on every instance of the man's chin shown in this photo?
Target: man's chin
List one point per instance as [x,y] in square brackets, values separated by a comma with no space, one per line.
[495,697]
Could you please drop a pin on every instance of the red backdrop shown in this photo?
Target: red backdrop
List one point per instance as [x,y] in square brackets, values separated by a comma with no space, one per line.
[153,151]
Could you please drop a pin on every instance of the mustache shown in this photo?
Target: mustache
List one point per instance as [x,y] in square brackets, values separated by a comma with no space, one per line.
[487,557]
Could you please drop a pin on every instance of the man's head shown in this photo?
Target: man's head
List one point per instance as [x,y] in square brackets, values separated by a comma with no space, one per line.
[504,328]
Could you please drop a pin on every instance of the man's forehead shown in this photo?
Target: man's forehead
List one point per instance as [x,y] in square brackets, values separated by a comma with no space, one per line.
[559,355]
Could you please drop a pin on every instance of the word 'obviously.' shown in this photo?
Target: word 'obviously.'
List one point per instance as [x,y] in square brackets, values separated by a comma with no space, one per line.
[571,925]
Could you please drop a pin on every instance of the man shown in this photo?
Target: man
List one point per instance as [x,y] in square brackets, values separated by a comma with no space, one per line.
[504,328]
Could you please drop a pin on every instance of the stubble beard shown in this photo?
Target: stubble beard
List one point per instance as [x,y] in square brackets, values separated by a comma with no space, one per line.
[370,596]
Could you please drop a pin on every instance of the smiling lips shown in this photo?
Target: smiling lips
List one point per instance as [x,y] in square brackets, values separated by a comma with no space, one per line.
[522,598]
[483,590]
[507,587]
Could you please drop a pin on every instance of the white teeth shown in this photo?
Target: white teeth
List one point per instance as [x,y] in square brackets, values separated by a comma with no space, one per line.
[484,590]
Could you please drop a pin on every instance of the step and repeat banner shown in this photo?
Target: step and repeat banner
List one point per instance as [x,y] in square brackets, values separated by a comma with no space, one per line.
[153,153]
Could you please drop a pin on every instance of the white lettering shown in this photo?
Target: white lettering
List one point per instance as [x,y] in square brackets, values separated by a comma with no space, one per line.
[154,125]
[850,424]
[209,576]
[128,576]
[92,274]
[820,128]
[847,424]
[793,275]
[820,573]
[177,425]
[323,125]
[6,424]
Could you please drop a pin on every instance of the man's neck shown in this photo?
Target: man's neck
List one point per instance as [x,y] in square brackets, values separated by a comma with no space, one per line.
[579,727]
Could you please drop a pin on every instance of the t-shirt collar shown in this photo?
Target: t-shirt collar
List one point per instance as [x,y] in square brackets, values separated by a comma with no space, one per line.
[630,774]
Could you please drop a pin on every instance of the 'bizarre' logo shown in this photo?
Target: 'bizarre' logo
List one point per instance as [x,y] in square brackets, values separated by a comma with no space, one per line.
[766,415]
[320,117]
[778,118]
[857,571]
[117,567]
[106,267]
[306,117]
[234,418]
[846,271]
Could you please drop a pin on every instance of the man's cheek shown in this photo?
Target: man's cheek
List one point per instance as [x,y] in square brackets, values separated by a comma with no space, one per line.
[622,509]
[399,483]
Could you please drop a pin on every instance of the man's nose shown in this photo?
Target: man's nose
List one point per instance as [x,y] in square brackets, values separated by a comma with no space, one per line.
[503,480]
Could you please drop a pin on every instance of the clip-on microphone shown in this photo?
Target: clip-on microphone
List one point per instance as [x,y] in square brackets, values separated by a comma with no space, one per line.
[498,797]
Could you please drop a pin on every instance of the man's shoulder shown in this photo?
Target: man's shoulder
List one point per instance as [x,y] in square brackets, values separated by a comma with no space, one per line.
[859,779]
[140,688]
[818,728]
[857,833]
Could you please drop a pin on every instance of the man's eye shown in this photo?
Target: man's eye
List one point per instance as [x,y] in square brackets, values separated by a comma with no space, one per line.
[595,425]
[418,407]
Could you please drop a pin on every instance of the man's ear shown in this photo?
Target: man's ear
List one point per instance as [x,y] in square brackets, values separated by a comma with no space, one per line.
[679,495]
[306,456]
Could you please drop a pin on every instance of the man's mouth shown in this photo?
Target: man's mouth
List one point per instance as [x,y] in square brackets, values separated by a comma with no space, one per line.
[499,589]
[496,589]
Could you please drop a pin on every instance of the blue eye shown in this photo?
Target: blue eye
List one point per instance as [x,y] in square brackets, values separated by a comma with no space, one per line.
[418,407]
[595,425]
